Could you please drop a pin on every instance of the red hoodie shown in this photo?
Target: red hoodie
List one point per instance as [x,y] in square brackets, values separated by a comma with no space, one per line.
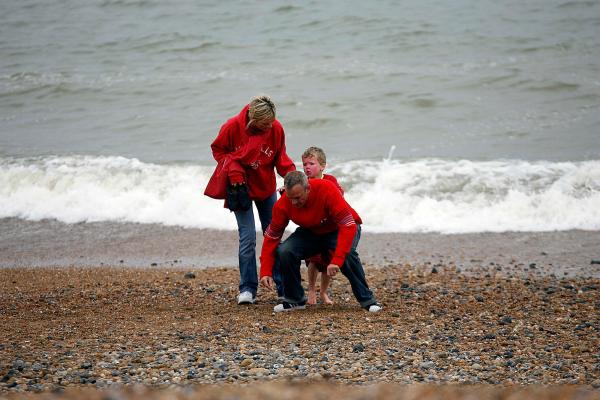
[257,152]
[324,259]
[332,179]
[325,211]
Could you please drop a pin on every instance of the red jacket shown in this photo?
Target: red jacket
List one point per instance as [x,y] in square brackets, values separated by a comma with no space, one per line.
[325,211]
[324,259]
[257,153]
[332,179]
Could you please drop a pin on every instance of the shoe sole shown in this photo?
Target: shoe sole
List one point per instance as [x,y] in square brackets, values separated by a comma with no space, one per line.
[242,303]
[290,309]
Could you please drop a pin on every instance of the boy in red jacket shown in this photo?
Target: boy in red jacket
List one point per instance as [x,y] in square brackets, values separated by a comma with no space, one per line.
[325,222]
[314,162]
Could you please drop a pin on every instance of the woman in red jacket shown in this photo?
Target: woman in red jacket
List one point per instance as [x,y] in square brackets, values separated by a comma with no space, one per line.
[254,142]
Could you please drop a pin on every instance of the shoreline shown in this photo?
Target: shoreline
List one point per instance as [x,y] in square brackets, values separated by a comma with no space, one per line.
[51,243]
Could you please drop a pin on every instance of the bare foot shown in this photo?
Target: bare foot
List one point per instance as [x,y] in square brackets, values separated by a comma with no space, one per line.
[325,298]
[312,297]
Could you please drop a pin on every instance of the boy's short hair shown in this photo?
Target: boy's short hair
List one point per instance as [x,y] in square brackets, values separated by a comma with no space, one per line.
[317,153]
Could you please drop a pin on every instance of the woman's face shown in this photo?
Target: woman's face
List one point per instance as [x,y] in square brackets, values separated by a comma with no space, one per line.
[263,124]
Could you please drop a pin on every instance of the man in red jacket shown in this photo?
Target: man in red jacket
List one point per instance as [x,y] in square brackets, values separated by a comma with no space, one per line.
[325,221]
[254,142]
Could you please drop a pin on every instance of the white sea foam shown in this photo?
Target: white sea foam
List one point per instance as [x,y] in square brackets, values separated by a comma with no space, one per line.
[391,196]
[466,196]
[86,189]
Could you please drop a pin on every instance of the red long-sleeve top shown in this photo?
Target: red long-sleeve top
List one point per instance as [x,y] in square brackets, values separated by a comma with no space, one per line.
[332,179]
[325,211]
[323,259]
[257,152]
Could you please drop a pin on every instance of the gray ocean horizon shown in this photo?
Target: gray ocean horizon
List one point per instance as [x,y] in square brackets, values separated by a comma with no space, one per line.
[155,80]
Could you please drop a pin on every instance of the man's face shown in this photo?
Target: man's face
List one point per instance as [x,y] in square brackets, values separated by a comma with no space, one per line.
[297,195]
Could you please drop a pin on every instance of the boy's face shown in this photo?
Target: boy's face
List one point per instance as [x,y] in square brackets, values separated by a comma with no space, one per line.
[312,168]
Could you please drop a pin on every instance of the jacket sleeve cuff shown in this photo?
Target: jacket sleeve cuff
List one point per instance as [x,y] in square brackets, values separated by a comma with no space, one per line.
[265,270]
[236,177]
[338,260]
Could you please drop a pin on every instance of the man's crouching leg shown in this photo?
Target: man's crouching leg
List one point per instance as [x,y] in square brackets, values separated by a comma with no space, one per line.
[354,272]
[290,258]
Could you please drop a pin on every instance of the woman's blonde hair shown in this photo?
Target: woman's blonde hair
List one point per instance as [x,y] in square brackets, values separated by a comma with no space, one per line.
[261,108]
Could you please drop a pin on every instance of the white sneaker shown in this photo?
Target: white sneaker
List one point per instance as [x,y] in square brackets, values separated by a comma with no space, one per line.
[285,306]
[374,308]
[246,298]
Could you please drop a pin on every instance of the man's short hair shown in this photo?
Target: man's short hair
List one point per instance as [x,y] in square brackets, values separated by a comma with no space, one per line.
[294,178]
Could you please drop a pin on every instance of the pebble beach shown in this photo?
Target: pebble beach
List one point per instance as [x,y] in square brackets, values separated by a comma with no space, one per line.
[514,330]
[461,132]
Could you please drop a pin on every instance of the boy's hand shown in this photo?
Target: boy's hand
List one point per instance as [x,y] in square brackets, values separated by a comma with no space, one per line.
[332,270]
[267,282]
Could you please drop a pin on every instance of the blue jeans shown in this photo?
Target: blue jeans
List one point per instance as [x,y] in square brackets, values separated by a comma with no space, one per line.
[247,250]
[302,244]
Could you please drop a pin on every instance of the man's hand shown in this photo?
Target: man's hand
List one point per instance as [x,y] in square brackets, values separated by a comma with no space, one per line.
[267,282]
[332,270]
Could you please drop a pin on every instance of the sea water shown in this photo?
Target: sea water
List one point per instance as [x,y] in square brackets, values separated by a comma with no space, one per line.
[464,116]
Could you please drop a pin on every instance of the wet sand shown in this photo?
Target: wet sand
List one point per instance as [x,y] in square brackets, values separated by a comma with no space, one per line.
[51,243]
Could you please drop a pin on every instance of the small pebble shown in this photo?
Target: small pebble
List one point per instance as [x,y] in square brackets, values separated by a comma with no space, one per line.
[358,348]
